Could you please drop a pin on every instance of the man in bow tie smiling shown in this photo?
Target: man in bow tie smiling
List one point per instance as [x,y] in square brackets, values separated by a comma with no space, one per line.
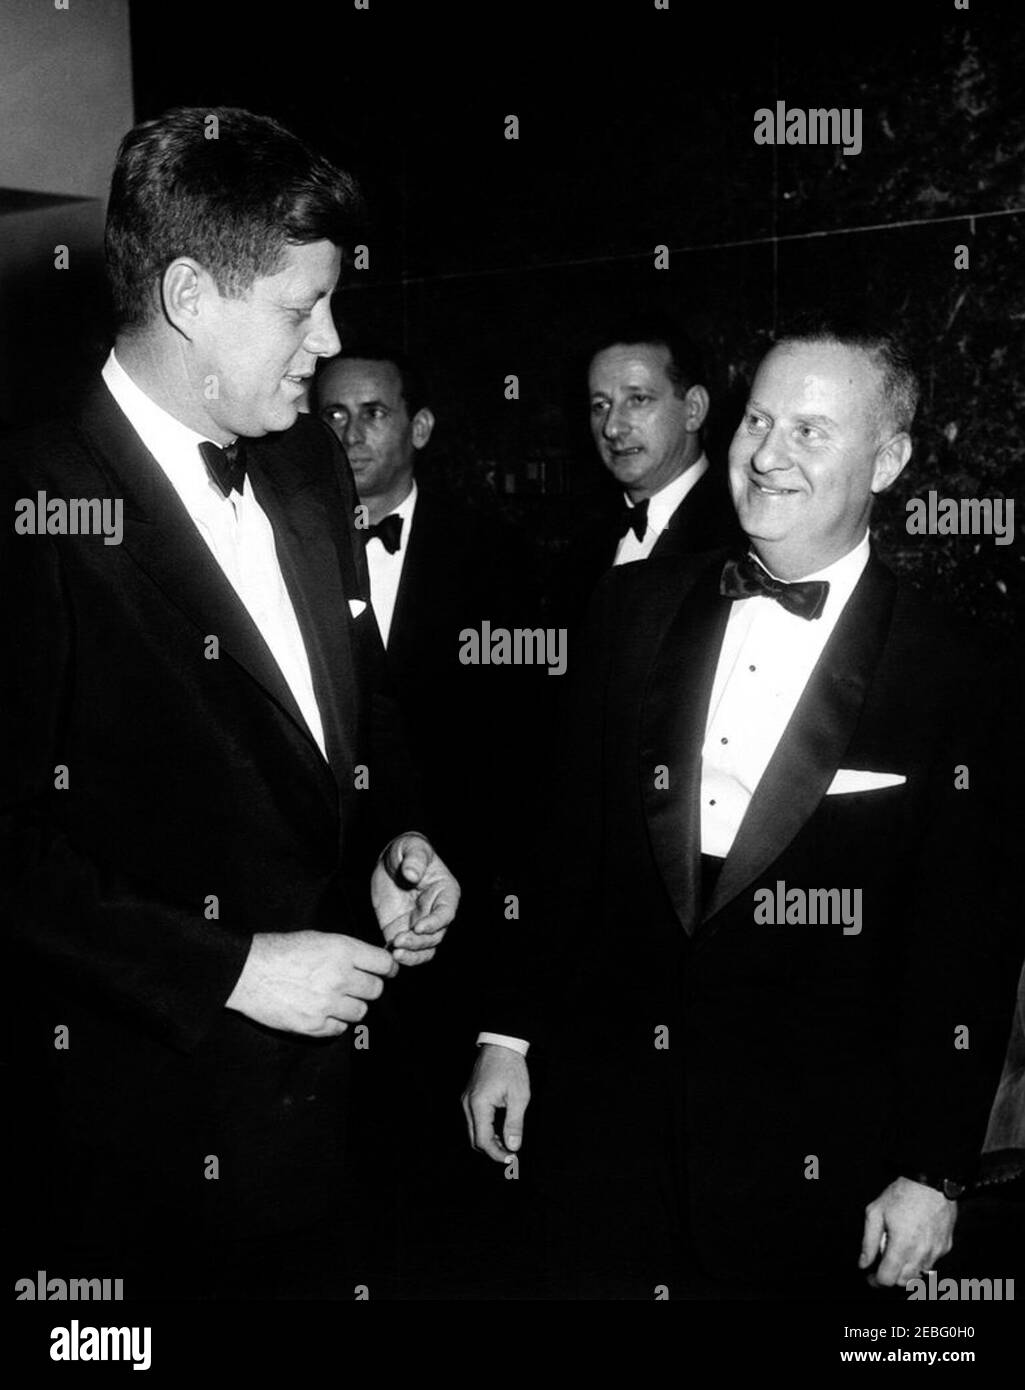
[738,1104]
[212,871]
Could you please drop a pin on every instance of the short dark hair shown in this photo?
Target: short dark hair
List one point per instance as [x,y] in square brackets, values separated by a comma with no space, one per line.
[412,378]
[887,351]
[222,185]
[684,368]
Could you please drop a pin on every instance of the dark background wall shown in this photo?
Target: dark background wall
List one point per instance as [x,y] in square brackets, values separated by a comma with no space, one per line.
[490,256]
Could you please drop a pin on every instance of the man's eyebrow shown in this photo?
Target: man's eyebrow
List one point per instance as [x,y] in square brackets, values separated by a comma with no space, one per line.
[297,301]
[818,420]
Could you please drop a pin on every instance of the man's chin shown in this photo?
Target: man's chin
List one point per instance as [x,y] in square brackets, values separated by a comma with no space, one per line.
[758,527]
[283,417]
[626,475]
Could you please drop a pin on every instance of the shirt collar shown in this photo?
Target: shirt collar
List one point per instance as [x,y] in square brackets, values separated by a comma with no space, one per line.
[842,575]
[174,446]
[407,506]
[662,504]
[142,410]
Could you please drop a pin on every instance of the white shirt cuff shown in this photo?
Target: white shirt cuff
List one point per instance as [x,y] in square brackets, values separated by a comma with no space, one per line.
[519,1045]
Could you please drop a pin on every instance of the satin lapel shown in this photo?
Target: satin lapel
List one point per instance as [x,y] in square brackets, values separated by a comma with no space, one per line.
[814,742]
[314,557]
[681,535]
[421,563]
[673,716]
[162,539]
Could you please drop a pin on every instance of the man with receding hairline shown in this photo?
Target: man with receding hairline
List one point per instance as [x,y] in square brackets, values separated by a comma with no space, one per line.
[742,1103]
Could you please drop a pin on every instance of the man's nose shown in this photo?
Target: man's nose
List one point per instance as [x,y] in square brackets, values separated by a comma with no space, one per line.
[322,339]
[353,432]
[768,455]
[613,425]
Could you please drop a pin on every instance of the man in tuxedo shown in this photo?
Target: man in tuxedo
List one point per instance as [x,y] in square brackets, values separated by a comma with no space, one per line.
[739,1094]
[439,567]
[201,767]
[648,405]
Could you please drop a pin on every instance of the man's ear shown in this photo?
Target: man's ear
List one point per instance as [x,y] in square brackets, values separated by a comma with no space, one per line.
[423,425]
[891,460]
[181,289]
[696,403]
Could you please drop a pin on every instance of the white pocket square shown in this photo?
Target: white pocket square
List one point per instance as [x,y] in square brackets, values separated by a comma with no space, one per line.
[851,780]
[357,606]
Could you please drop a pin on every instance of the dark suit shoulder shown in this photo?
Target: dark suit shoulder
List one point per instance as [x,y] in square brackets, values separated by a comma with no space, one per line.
[634,604]
[444,512]
[464,539]
[705,520]
[661,579]
[53,455]
[308,449]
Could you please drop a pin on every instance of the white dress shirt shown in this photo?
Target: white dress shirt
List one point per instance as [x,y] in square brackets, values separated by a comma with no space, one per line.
[386,570]
[765,662]
[236,530]
[661,507]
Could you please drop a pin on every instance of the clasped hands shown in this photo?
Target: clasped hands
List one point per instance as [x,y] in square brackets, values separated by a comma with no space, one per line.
[317,983]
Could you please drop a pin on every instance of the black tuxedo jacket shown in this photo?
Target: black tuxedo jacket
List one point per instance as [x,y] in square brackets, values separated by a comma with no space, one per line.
[462,568]
[704,520]
[198,811]
[802,1069]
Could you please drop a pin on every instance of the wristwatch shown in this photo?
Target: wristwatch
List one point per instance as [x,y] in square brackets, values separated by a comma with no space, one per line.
[951,1188]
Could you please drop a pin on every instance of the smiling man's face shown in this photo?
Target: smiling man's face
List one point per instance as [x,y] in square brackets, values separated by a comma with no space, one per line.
[813,447]
[260,348]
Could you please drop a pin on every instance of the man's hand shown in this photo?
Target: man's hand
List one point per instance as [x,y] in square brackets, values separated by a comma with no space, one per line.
[500,1081]
[310,982]
[912,1225]
[415,897]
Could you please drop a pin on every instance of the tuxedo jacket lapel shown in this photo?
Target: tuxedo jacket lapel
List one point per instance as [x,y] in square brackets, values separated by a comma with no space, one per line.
[161,538]
[815,740]
[673,716]
[319,571]
[422,562]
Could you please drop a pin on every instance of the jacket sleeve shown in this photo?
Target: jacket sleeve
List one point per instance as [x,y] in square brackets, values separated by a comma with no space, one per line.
[530,977]
[76,925]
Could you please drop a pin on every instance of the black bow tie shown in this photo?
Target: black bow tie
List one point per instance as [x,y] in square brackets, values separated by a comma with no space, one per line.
[388,531]
[633,519]
[748,579]
[226,467]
